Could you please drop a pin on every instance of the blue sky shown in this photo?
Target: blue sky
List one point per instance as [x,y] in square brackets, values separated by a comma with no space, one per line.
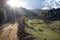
[34,3]
[42,4]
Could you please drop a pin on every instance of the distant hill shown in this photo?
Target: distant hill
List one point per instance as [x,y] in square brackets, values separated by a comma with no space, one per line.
[28,13]
[53,14]
[38,10]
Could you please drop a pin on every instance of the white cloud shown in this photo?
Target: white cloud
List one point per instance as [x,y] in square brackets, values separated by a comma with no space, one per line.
[46,4]
[49,2]
[55,6]
[57,0]
[45,8]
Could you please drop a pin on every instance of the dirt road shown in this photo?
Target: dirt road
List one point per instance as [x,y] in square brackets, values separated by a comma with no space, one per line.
[10,32]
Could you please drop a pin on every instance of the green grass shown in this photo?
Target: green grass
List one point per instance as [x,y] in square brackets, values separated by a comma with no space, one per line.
[47,33]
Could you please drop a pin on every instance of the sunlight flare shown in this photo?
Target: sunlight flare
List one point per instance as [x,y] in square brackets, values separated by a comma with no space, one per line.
[16,3]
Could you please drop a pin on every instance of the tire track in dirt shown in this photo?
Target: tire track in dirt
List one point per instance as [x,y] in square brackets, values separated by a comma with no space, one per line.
[9,33]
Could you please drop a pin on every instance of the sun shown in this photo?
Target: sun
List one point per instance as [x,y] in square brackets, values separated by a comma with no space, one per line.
[16,3]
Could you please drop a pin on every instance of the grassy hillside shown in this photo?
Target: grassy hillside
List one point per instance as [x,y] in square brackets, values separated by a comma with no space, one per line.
[42,30]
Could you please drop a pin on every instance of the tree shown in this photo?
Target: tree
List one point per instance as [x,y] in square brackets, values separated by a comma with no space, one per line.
[2,11]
